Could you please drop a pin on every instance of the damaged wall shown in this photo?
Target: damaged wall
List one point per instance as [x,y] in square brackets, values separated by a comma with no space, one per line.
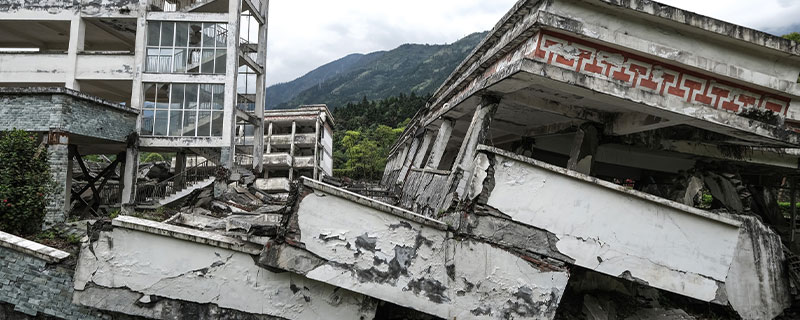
[43,109]
[35,286]
[613,230]
[142,269]
[406,259]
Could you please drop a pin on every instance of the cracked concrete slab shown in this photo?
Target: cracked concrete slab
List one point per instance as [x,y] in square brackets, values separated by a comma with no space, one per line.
[147,264]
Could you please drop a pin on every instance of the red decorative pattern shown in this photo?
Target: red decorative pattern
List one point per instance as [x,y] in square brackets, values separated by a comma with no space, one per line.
[585,57]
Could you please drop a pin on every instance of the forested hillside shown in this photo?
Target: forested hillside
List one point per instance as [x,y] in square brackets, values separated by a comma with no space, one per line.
[366,130]
[409,68]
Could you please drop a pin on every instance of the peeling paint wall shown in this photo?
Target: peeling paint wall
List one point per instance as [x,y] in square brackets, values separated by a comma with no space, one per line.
[412,263]
[613,230]
[125,263]
[93,8]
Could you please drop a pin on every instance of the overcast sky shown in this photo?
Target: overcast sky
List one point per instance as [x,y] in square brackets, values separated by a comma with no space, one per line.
[305,34]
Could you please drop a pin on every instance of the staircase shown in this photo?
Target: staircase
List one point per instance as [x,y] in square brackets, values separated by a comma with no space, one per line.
[176,187]
[210,154]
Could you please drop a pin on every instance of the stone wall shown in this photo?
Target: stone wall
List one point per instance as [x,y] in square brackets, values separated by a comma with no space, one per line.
[60,169]
[43,109]
[35,287]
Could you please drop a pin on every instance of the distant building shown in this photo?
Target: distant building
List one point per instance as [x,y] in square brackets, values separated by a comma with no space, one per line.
[297,142]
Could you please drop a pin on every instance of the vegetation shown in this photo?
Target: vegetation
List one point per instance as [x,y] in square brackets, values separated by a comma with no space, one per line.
[794,36]
[25,183]
[366,130]
[378,75]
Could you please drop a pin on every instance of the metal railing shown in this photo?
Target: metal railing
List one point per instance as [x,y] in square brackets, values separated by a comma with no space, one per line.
[148,193]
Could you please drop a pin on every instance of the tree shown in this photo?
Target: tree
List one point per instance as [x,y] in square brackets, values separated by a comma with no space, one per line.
[794,36]
[25,183]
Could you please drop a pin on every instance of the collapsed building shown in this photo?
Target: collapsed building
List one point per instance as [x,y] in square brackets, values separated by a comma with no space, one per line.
[590,159]
[164,76]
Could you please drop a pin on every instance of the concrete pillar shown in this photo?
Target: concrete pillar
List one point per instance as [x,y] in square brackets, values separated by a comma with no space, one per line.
[405,164]
[423,149]
[180,167]
[129,176]
[77,33]
[584,149]
[461,173]
[261,88]
[316,149]
[269,138]
[228,153]
[291,151]
[60,161]
[440,145]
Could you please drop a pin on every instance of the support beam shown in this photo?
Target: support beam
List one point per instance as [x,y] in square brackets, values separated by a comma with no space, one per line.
[635,122]
[77,33]
[228,153]
[440,145]
[461,173]
[316,149]
[291,151]
[584,149]
[555,128]
[58,157]
[529,99]
[261,90]
[423,149]
[129,177]
[407,162]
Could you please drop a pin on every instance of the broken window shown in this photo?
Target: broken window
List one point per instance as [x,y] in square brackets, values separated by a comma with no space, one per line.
[186,47]
[178,109]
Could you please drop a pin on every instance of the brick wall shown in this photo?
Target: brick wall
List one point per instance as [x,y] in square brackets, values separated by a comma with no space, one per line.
[35,287]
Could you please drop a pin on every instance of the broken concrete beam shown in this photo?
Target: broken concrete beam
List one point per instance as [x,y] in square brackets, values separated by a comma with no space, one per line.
[614,230]
[758,284]
[126,263]
[382,252]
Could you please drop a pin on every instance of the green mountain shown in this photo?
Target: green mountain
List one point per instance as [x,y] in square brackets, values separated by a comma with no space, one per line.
[409,68]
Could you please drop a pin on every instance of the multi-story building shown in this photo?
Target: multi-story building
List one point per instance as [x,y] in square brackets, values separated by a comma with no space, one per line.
[192,70]
[297,142]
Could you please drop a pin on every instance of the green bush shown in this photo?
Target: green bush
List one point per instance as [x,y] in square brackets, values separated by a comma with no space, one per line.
[25,183]
[153,157]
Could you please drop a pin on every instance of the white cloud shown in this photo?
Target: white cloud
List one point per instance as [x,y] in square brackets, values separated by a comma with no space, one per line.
[304,34]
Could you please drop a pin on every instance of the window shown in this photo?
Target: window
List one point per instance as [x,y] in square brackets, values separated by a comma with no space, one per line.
[183,110]
[186,47]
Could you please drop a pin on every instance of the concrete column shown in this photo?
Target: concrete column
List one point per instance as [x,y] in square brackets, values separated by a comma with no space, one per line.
[440,145]
[423,149]
[180,167]
[261,88]
[77,33]
[60,161]
[129,177]
[228,153]
[584,149]
[461,174]
[406,163]
[316,149]
[269,138]
[291,151]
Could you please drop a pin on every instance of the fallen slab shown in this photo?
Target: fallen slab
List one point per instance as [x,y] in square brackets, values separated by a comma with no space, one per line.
[394,255]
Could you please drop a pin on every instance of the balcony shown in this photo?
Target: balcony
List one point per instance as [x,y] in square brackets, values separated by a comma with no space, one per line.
[304,162]
[300,139]
[279,159]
